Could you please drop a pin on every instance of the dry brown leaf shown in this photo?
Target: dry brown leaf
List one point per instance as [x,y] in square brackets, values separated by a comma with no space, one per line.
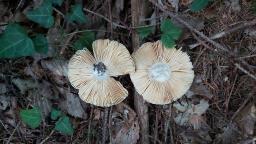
[125,127]
[4,102]
[198,88]
[24,85]
[229,135]
[246,119]
[175,4]
[56,66]
[73,106]
[3,88]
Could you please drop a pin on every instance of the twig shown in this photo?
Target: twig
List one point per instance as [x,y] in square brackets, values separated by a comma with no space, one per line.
[139,104]
[110,17]
[245,71]
[105,125]
[102,16]
[10,138]
[242,105]
[249,56]
[109,125]
[66,43]
[227,32]
[167,122]
[59,12]
[191,28]
[156,128]
[43,141]
[89,125]
[116,24]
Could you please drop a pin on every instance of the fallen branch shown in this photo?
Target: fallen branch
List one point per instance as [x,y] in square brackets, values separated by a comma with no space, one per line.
[116,24]
[227,32]
[140,105]
[245,71]
[105,18]
[191,28]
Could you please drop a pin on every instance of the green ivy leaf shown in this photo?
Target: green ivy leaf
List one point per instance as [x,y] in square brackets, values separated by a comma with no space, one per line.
[167,25]
[145,31]
[31,117]
[76,14]
[57,2]
[64,126]
[167,41]
[40,43]
[85,40]
[55,114]
[253,6]
[175,33]
[42,15]
[14,42]
[198,5]
[170,33]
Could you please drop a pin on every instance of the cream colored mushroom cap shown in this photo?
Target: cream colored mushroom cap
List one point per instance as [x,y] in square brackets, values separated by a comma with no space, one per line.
[162,74]
[91,75]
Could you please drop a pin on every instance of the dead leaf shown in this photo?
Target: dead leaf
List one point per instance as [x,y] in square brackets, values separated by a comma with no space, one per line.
[3,88]
[201,108]
[4,102]
[73,106]
[175,4]
[185,2]
[190,114]
[246,119]
[55,39]
[198,88]
[56,66]
[125,126]
[197,23]
[195,137]
[251,32]
[229,135]
[234,4]
[24,85]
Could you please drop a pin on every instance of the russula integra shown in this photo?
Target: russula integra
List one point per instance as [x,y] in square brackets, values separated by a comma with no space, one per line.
[92,74]
[162,74]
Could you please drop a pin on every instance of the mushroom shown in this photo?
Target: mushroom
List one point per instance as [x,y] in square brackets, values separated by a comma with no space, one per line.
[93,75]
[162,74]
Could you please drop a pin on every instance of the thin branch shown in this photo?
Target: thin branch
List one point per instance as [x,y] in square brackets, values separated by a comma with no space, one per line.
[43,141]
[191,28]
[116,24]
[140,106]
[227,32]
[245,71]
[106,19]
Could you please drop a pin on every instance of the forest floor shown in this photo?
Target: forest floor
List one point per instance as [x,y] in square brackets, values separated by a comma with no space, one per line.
[38,104]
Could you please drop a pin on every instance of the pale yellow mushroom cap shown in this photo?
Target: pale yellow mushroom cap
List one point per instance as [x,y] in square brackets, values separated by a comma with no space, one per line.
[91,75]
[162,74]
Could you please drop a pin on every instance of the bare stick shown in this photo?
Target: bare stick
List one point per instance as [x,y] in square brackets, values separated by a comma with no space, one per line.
[105,125]
[116,24]
[103,17]
[43,141]
[191,28]
[245,71]
[250,95]
[156,128]
[140,105]
[10,138]
[168,114]
[227,32]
